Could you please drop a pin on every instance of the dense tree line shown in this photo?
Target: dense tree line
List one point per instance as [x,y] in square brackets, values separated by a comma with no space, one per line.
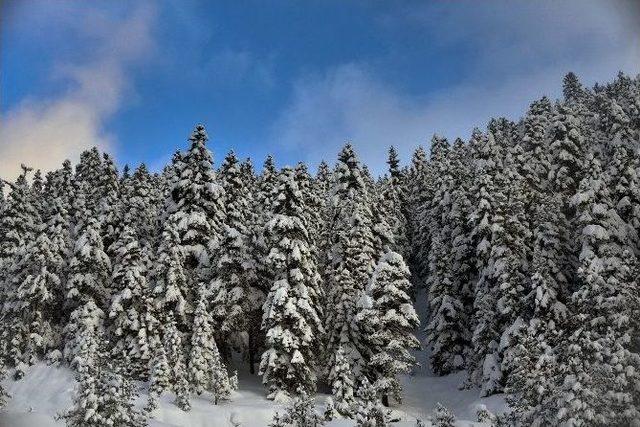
[525,239]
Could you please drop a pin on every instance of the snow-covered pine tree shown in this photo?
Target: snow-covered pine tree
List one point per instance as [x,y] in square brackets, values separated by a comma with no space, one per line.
[3,393]
[393,338]
[252,264]
[597,367]
[416,184]
[19,225]
[170,284]
[394,194]
[258,271]
[159,376]
[90,267]
[312,205]
[103,396]
[446,330]
[108,198]
[463,268]
[352,259]
[206,370]
[38,282]
[567,151]
[351,276]
[449,291]
[442,417]
[429,212]
[231,296]
[533,359]
[37,192]
[291,311]
[369,412]
[510,261]
[624,181]
[175,356]
[300,413]
[487,163]
[140,200]
[85,409]
[572,89]
[83,333]
[88,178]
[343,386]
[117,397]
[128,308]
[321,187]
[198,203]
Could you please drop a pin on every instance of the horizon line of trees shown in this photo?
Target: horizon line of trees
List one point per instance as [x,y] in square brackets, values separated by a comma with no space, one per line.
[525,237]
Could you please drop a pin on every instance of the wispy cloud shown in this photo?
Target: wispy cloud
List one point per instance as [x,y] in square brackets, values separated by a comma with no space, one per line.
[44,132]
[520,52]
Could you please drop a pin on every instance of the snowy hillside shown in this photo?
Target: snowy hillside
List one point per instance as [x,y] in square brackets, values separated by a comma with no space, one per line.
[45,391]
[508,263]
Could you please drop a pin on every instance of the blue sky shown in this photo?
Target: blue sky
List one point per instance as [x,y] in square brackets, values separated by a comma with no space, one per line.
[294,79]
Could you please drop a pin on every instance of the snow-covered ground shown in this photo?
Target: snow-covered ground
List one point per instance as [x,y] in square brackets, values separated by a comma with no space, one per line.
[46,390]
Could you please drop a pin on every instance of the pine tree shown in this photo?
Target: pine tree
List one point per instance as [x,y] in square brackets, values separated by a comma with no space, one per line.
[197,210]
[38,281]
[393,338]
[198,205]
[159,375]
[567,147]
[417,194]
[487,162]
[175,356]
[117,395]
[108,197]
[18,227]
[449,261]
[343,386]
[291,312]
[533,359]
[351,276]
[231,295]
[82,333]
[369,411]
[88,177]
[206,370]
[463,268]
[3,393]
[597,368]
[442,417]
[170,283]
[300,413]
[259,274]
[351,262]
[572,89]
[103,396]
[86,401]
[128,308]
[139,204]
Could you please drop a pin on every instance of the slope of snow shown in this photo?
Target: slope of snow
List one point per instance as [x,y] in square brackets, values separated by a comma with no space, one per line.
[45,391]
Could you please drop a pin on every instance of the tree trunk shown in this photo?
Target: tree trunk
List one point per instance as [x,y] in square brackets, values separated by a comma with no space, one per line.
[385,400]
[252,355]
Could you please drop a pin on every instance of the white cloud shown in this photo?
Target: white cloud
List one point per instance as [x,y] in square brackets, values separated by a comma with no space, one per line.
[523,52]
[44,132]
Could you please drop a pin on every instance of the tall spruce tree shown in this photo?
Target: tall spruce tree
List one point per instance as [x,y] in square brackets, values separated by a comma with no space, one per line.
[291,311]
[198,208]
[129,303]
[393,337]
[232,298]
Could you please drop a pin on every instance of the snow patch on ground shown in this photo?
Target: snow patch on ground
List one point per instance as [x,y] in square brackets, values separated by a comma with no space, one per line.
[46,390]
